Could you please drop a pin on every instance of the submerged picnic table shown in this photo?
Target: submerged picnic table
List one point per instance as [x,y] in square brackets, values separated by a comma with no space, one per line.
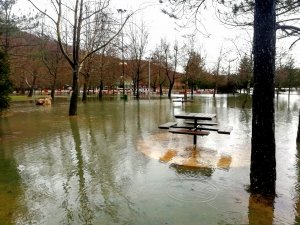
[199,125]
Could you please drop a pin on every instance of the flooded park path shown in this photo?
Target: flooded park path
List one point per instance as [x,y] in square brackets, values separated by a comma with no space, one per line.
[112,165]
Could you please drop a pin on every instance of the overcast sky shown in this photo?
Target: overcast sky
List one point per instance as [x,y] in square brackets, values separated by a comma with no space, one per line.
[160,26]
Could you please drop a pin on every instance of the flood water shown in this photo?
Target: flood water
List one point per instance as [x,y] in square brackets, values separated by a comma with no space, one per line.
[107,166]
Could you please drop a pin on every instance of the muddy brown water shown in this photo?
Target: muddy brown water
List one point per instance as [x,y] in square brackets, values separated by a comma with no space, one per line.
[112,165]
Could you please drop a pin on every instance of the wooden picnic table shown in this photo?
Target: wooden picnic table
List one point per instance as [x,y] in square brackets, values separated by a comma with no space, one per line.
[199,125]
[195,117]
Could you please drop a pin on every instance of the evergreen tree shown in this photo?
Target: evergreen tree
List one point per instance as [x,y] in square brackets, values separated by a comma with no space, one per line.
[263,148]
[5,84]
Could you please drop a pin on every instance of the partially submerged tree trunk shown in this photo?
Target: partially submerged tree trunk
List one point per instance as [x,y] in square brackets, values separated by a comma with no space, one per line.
[52,94]
[85,91]
[31,90]
[263,161]
[298,133]
[75,92]
[171,85]
[100,95]
[160,90]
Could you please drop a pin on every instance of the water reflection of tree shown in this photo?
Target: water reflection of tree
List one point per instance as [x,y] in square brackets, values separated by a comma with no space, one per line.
[10,182]
[102,166]
[10,190]
[260,210]
[86,215]
[138,119]
[297,191]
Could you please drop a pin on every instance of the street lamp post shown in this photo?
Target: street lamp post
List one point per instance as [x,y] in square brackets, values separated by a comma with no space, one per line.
[122,49]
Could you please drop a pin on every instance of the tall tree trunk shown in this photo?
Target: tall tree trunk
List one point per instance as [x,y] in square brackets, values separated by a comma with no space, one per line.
[84,92]
[137,88]
[263,161]
[52,92]
[53,88]
[215,88]
[31,90]
[160,90]
[185,89]
[101,90]
[298,133]
[75,92]
[170,89]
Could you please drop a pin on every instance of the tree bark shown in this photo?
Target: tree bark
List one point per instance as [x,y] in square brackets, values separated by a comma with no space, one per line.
[75,92]
[160,90]
[170,89]
[84,92]
[52,94]
[101,90]
[263,161]
[53,86]
[31,90]
[298,133]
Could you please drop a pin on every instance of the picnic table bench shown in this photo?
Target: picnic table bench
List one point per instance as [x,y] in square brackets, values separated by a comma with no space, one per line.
[194,127]
[190,132]
[182,99]
[167,125]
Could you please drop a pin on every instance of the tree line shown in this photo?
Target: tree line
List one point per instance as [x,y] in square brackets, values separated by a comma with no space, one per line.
[49,70]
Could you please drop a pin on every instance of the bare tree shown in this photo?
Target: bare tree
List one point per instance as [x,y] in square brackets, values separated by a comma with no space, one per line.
[216,72]
[76,18]
[170,63]
[158,61]
[138,37]
[53,61]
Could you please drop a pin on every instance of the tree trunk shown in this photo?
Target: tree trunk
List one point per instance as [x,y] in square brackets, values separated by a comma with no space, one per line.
[52,92]
[101,90]
[53,88]
[31,90]
[75,91]
[215,89]
[85,87]
[137,88]
[84,92]
[170,89]
[263,161]
[298,133]
[160,90]
[185,89]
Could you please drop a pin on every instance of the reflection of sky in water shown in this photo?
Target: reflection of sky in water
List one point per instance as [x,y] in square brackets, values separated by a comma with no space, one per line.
[112,165]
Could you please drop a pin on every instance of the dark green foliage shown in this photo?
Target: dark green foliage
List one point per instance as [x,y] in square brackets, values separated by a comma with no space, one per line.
[5,84]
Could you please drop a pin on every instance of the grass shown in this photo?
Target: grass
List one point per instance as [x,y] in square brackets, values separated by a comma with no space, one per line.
[15,98]
[18,98]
